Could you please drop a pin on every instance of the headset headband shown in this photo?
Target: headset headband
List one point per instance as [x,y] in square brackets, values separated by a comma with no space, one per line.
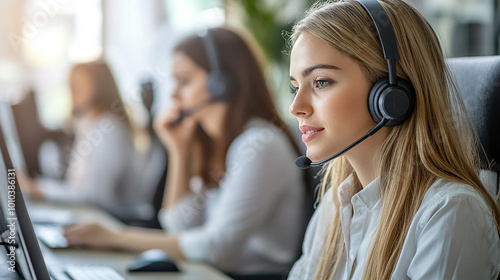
[212,56]
[385,33]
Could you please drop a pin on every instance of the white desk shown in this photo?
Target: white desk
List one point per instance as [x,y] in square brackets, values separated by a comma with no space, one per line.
[116,260]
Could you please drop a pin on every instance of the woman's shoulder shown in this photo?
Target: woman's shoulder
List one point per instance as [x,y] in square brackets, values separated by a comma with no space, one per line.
[108,118]
[109,123]
[261,136]
[261,128]
[107,128]
[443,189]
[447,196]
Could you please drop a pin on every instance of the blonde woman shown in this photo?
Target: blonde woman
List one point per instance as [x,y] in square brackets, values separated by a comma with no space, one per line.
[407,202]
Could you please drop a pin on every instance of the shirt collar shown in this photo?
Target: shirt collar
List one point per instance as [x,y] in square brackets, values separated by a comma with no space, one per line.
[346,191]
[369,195]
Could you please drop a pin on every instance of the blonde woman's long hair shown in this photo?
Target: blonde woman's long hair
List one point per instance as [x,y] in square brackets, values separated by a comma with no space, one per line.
[436,142]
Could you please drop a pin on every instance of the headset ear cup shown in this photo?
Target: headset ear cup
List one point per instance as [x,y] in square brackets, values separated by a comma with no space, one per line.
[392,102]
[218,86]
[407,93]
[373,97]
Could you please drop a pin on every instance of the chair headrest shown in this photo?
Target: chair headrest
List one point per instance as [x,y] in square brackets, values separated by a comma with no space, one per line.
[478,82]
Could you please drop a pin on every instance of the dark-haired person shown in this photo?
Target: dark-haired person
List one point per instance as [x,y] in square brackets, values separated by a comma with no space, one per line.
[234,198]
[102,167]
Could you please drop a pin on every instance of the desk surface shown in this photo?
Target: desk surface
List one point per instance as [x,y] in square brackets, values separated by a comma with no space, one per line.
[114,259]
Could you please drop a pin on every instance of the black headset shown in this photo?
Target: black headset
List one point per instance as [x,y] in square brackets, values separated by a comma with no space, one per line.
[391,98]
[218,82]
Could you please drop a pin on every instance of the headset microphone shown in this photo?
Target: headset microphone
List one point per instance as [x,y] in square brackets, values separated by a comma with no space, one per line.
[186,113]
[391,100]
[304,162]
[218,81]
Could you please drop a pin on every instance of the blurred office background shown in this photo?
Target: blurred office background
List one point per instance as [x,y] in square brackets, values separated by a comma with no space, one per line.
[41,39]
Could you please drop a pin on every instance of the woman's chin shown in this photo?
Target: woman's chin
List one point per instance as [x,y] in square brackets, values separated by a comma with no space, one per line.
[315,157]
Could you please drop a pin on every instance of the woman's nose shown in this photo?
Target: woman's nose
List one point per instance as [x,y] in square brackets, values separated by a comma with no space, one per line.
[175,93]
[301,105]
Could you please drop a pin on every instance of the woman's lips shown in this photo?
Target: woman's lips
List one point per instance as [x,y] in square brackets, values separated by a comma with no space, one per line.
[309,132]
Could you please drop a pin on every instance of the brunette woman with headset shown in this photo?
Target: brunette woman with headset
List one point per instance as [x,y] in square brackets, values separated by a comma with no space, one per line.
[233,198]
[406,202]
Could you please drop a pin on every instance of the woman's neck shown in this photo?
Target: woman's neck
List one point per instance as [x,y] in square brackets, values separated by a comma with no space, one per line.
[365,171]
[218,162]
[365,158]
[214,126]
[92,114]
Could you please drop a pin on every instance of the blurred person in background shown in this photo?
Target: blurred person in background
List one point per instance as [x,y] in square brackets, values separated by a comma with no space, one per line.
[103,168]
[233,197]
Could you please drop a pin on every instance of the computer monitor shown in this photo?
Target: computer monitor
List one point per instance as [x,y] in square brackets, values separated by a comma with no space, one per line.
[5,273]
[8,126]
[23,257]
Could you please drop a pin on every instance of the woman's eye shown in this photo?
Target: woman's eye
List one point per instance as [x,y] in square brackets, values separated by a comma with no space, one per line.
[321,84]
[183,81]
[294,90]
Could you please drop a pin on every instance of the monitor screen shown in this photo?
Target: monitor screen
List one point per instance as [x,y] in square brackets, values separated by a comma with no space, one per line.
[8,126]
[22,254]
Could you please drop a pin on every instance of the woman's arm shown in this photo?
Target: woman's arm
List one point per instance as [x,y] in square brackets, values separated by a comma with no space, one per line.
[183,208]
[250,194]
[178,140]
[258,178]
[130,238]
[178,175]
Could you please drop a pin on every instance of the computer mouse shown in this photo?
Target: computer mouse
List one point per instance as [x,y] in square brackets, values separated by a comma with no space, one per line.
[153,260]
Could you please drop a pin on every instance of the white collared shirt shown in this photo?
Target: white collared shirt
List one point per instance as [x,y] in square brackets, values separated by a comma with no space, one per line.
[104,169]
[254,221]
[452,235]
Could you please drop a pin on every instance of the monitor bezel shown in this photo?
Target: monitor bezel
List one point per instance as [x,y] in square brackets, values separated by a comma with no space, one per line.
[26,238]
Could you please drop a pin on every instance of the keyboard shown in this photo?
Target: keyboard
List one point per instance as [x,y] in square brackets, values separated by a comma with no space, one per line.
[51,235]
[75,272]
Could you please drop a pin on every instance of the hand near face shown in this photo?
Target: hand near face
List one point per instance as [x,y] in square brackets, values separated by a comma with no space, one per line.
[175,137]
[90,235]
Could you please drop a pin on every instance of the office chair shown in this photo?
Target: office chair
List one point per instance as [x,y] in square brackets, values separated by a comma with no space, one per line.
[33,134]
[478,82]
[155,171]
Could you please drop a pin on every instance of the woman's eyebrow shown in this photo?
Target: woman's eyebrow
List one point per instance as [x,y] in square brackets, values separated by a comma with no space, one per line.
[309,70]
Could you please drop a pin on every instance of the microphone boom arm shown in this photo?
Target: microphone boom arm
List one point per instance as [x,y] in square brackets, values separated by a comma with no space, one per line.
[307,164]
